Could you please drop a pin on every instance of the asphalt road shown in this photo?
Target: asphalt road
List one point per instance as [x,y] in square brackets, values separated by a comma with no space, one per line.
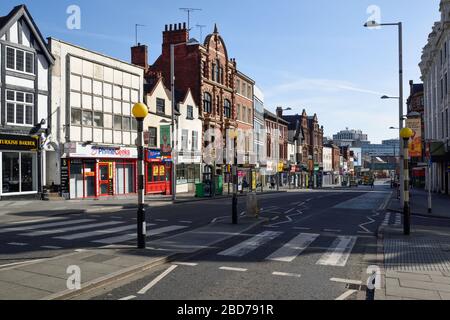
[314,244]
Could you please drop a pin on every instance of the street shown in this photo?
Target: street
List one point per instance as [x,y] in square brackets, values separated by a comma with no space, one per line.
[312,246]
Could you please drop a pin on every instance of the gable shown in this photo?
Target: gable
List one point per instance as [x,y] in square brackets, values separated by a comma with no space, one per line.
[18,27]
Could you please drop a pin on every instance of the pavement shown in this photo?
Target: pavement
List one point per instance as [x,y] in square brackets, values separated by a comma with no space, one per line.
[416,267]
[419,204]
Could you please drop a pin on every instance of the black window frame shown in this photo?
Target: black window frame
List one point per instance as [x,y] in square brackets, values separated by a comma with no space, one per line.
[207,102]
[190,112]
[227,108]
[152,130]
[160,105]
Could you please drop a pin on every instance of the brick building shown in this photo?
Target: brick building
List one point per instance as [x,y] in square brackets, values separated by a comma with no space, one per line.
[211,75]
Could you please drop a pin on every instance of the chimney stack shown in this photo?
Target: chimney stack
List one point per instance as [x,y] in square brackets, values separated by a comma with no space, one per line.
[139,56]
[280,112]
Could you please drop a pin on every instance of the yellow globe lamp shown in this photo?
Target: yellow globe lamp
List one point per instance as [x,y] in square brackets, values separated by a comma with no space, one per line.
[140,111]
[406,133]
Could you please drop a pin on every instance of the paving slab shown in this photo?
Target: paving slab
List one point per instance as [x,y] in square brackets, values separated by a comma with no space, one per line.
[409,276]
[12,291]
[425,285]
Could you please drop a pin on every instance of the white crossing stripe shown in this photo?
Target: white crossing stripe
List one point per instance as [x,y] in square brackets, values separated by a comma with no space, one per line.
[284,274]
[99,232]
[127,298]
[45,225]
[132,236]
[70,229]
[387,219]
[339,252]
[250,245]
[18,244]
[233,269]
[157,279]
[346,295]
[398,219]
[294,248]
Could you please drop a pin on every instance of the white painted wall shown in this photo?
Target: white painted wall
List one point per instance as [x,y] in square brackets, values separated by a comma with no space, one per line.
[327,159]
[189,125]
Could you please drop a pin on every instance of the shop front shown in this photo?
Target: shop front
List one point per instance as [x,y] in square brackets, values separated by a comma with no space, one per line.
[158,173]
[19,165]
[189,171]
[98,171]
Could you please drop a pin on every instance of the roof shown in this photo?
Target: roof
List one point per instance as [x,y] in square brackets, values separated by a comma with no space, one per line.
[20,12]
[267,114]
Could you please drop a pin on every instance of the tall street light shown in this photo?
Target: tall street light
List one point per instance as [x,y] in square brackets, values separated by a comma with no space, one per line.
[374,24]
[233,134]
[406,134]
[191,42]
[140,112]
[278,148]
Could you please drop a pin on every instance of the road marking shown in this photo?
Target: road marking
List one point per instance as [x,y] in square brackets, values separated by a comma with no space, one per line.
[161,220]
[398,219]
[284,274]
[346,295]
[362,226]
[70,229]
[127,237]
[17,244]
[20,263]
[289,211]
[90,234]
[250,245]
[291,250]
[186,264]
[302,228]
[127,298]
[339,252]
[332,230]
[346,281]
[233,269]
[386,219]
[187,222]
[45,225]
[275,218]
[157,279]
[51,247]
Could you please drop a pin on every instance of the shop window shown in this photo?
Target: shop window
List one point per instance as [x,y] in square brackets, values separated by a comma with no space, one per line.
[19,172]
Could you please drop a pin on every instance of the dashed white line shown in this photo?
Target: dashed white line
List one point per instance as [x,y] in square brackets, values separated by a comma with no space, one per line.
[187,222]
[284,274]
[157,279]
[302,228]
[161,220]
[17,244]
[233,269]
[127,298]
[289,211]
[51,247]
[332,230]
[186,264]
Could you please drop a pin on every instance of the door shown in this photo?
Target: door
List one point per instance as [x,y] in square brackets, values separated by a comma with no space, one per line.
[105,179]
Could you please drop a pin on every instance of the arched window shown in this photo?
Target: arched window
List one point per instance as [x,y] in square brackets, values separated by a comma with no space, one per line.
[207,103]
[227,109]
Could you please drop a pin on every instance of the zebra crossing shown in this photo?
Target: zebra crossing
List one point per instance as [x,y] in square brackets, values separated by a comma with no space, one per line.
[337,254]
[67,231]
[391,219]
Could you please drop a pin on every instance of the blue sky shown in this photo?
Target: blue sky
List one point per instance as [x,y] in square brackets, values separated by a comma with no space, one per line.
[303,54]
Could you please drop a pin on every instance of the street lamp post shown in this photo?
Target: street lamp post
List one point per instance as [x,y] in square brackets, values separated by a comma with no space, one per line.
[233,134]
[406,134]
[373,24]
[191,42]
[278,147]
[140,112]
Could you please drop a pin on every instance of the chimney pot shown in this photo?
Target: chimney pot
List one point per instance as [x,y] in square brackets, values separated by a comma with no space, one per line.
[166,28]
[184,25]
[170,27]
[179,26]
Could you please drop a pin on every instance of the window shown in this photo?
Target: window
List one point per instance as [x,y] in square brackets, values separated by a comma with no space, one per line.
[227,109]
[244,89]
[207,103]
[19,172]
[217,72]
[239,112]
[194,141]
[153,138]
[238,86]
[250,115]
[87,118]
[184,139]
[76,116]
[117,122]
[160,106]
[133,124]
[190,112]
[244,113]
[19,108]
[221,75]
[98,119]
[126,123]
[213,71]
[249,92]
[19,60]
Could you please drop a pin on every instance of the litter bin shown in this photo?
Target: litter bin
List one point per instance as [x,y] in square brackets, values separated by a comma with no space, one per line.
[199,190]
